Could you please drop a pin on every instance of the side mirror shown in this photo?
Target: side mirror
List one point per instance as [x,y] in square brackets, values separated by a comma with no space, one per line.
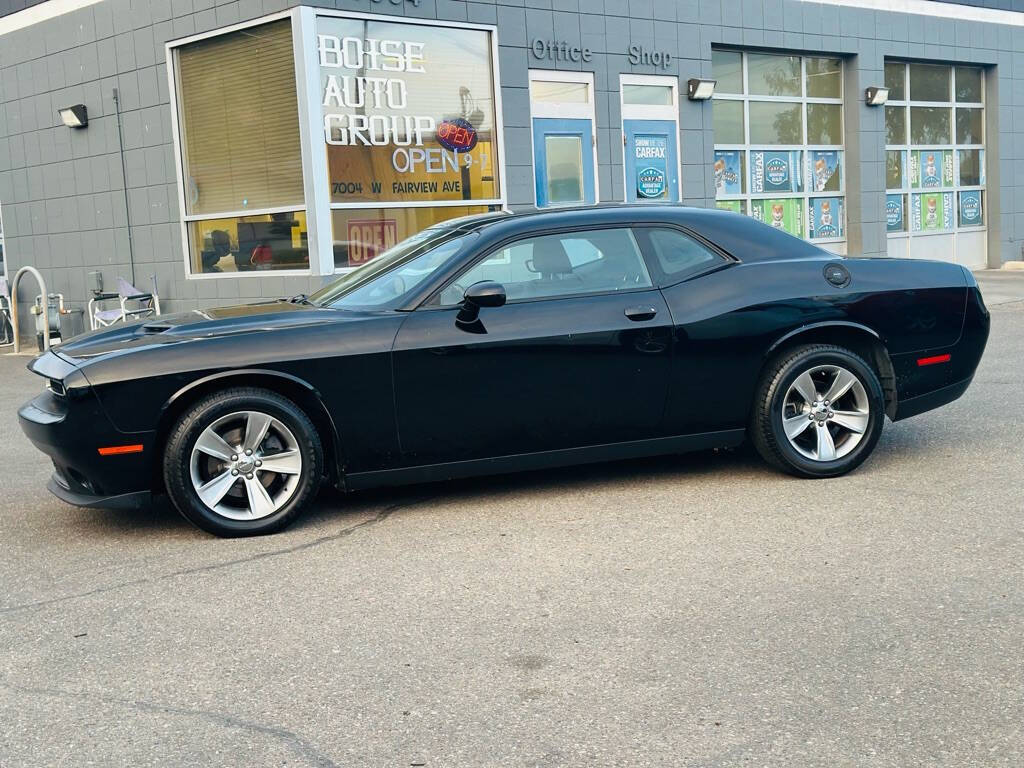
[486,293]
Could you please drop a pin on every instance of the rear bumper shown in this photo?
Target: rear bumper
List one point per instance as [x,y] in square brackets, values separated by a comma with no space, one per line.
[926,402]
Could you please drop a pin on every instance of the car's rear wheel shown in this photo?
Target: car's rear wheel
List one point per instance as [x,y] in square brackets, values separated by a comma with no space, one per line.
[243,462]
[818,412]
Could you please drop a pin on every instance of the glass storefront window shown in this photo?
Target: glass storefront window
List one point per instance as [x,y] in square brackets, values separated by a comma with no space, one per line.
[261,242]
[779,143]
[564,169]
[895,81]
[362,234]
[727,70]
[773,75]
[633,93]
[935,171]
[776,122]
[560,92]
[408,111]
[240,143]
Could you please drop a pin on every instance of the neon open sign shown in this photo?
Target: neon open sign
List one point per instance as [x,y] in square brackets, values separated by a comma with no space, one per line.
[457,135]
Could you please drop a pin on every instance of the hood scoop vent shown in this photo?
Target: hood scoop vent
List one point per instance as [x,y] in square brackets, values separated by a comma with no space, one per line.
[151,328]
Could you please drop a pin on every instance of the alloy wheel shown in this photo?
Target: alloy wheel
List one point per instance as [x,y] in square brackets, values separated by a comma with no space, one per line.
[246,465]
[825,413]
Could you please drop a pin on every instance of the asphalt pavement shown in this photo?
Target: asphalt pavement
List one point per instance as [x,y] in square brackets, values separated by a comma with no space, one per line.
[690,611]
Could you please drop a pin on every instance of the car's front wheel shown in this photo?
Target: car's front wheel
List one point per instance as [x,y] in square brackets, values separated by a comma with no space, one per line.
[243,462]
[818,412]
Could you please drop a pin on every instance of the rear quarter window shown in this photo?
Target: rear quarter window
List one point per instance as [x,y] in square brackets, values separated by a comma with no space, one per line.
[678,256]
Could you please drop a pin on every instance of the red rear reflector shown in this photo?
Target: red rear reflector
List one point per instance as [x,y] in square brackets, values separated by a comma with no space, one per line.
[114,450]
[933,360]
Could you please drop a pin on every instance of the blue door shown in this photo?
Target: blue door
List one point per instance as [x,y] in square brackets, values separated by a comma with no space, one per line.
[652,161]
[563,161]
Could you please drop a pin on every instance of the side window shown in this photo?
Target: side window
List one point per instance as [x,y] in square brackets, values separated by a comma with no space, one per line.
[678,256]
[594,261]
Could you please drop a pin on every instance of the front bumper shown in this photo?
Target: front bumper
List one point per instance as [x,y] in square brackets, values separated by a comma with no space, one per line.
[70,430]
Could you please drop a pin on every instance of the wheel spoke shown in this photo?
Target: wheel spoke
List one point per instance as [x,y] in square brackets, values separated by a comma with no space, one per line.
[284,463]
[213,444]
[255,430]
[795,425]
[855,421]
[843,381]
[805,386]
[216,489]
[826,447]
[260,503]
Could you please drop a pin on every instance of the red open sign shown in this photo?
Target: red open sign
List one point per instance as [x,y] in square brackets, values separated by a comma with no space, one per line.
[457,134]
[368,238]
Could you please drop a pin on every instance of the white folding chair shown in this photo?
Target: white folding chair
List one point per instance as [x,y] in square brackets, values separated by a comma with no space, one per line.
[133,304]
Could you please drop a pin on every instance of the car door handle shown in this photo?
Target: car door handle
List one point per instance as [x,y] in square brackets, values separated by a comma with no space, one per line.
[640,313]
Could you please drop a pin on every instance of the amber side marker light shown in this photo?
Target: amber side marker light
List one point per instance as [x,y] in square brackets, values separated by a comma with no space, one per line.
[115,450]
[923,361]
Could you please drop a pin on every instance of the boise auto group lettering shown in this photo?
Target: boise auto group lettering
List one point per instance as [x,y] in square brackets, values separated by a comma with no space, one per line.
[380,96]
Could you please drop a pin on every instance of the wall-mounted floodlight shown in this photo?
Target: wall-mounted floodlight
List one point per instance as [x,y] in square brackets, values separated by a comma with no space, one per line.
[875,96]
[75,116]
[700,90]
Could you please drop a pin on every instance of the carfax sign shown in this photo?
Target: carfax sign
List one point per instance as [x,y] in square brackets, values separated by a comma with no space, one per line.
[651,155]
[775,171]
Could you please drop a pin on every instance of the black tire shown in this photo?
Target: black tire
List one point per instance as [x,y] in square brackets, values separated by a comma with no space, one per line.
[219,405]
[766,423]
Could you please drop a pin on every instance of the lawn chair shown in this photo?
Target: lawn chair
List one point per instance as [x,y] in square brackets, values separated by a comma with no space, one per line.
[133,304]
[6,328]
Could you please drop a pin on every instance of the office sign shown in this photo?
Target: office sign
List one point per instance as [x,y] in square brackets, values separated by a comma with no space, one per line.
[408,111]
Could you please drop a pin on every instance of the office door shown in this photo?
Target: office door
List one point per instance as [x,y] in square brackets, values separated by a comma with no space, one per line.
[563,161]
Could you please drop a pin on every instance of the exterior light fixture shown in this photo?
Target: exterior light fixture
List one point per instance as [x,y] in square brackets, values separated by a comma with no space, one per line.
[700,90]
[75,116]
[875,96]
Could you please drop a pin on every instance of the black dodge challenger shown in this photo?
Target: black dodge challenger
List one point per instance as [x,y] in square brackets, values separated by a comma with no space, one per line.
[508,342]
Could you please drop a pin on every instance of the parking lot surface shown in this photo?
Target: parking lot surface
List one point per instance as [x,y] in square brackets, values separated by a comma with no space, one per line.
[701,610]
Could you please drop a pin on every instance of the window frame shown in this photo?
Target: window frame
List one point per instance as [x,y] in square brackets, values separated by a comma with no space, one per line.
[317,204]
[432,302]
[747,198]
[906,192]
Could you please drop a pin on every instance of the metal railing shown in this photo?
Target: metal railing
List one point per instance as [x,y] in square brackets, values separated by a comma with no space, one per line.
[14,307]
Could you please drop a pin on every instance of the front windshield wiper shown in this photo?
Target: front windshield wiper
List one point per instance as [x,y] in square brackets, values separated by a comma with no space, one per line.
[299,298]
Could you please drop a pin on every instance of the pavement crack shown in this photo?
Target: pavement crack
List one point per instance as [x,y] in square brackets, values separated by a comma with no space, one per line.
[378,518]
[298,744]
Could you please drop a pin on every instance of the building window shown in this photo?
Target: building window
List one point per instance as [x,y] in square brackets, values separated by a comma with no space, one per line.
[3,265]
[241,158]
[564,147]
[935,149]
[778,127]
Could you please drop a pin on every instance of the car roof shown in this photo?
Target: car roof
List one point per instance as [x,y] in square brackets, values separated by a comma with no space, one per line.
[743,237]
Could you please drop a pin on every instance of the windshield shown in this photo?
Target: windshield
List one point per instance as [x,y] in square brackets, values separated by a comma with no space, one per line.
[395,273]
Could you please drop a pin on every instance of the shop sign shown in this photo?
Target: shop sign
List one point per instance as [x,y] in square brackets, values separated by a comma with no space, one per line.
[408,111]
[651,155]
[894,213]
[826,219]
[638,55]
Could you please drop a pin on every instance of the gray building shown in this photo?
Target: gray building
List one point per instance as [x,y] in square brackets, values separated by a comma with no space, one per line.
[255,148]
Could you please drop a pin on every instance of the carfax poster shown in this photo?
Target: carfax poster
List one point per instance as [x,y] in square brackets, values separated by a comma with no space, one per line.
[826,218]
[775,171]
[736,206]
[651,154]
[728,172]
[931,211]
[894,214]
[931,168]
[786,214]
[970,208]
[823,170]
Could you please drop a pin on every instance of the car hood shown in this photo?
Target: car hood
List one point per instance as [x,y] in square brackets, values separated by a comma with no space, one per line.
[202,324]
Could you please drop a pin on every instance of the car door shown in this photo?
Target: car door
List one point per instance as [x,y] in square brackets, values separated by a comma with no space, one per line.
[579,354]
[706,362]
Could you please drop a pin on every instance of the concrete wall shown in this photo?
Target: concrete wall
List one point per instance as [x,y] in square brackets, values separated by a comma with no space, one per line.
[62,190]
